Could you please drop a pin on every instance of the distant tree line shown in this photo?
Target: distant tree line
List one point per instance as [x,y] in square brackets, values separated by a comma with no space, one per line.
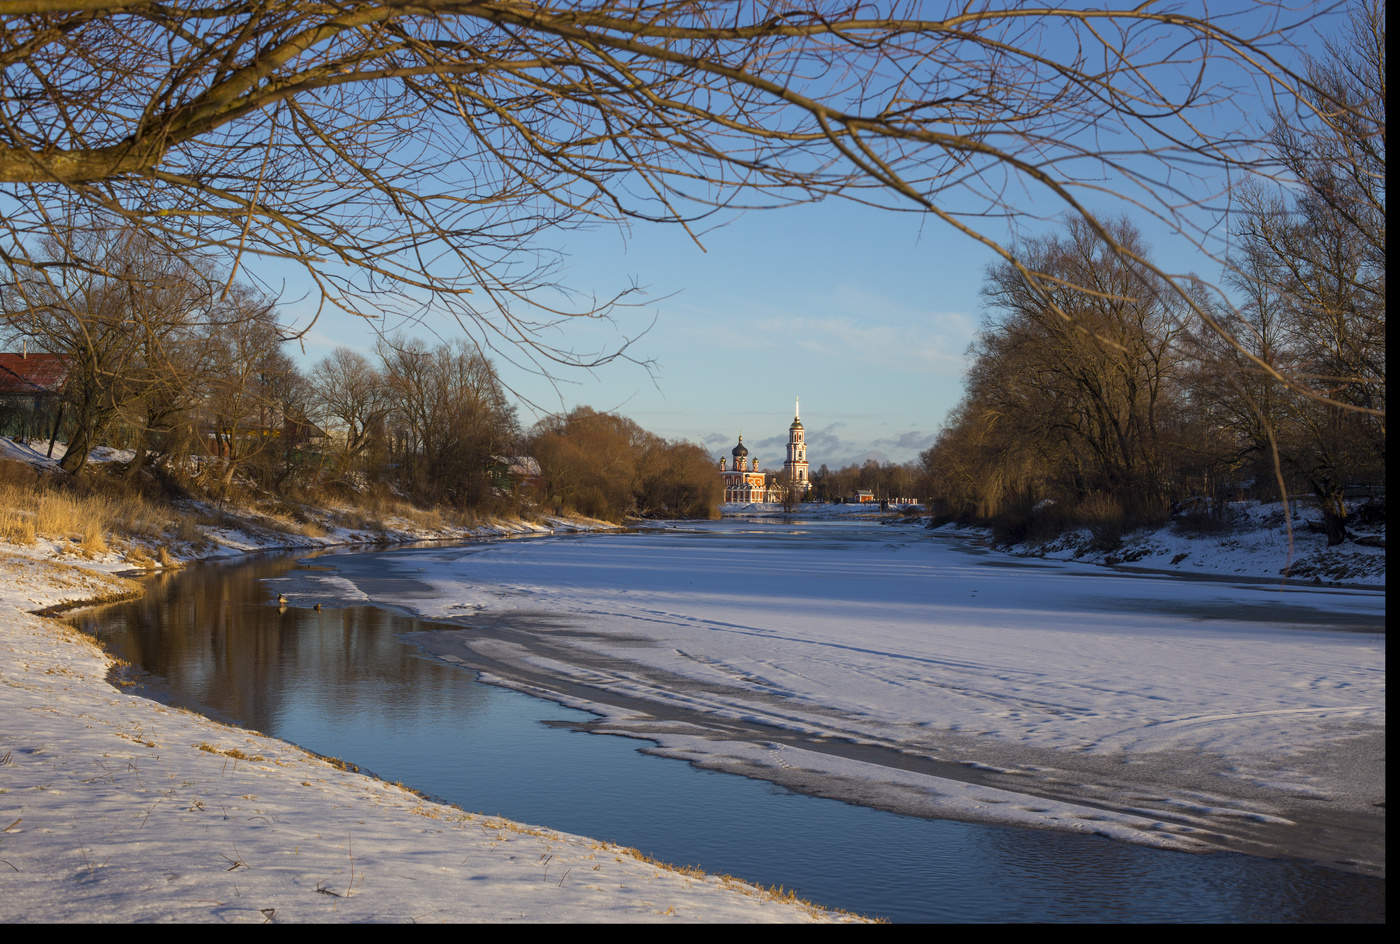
[884,481]
[189,372]
[606,466]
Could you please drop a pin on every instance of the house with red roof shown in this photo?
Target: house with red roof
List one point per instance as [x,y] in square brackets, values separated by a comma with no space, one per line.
[31,386]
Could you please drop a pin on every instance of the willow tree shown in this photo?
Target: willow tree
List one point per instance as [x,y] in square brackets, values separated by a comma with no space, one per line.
[408,158]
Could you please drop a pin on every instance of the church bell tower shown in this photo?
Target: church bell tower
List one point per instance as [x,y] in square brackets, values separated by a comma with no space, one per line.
[795,466]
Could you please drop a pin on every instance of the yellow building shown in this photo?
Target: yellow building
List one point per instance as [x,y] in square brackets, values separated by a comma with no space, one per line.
[795,466]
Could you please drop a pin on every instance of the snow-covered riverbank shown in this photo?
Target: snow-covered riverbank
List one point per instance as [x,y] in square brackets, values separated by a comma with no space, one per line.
[117,808]
[1254,540]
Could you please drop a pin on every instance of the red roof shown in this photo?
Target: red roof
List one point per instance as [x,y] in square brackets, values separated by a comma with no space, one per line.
[33,373]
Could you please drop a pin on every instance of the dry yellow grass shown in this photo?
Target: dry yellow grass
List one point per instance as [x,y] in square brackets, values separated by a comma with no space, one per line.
[17,527]
[94,542]
[140,557]
[187,531]
[233,752]
[34,506]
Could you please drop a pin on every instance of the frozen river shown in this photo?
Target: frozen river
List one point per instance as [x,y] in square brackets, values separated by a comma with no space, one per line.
[878,665]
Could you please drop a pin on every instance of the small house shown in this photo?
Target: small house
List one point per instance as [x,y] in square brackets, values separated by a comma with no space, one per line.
[31,391]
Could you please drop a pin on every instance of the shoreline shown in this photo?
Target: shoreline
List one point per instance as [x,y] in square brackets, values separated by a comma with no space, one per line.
[1070,788]
[1076,786]
[184,818]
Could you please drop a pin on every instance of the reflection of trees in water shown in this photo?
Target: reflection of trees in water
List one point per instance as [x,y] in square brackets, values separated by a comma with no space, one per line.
[215,643]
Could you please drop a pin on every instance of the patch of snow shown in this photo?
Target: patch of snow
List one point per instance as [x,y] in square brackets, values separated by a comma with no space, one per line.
[1256,543]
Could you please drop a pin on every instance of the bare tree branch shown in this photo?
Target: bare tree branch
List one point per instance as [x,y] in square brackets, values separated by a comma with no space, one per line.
[410,158]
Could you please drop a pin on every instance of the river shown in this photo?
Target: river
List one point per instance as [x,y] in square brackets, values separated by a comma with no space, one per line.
[399,696]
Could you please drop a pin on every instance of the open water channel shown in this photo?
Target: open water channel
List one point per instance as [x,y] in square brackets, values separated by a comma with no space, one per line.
[343,683]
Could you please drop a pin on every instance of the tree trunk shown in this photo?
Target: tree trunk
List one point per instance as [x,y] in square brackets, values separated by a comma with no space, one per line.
[1334,513]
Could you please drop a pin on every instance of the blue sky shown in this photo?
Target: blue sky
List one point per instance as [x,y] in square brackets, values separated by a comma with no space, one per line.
[864,314]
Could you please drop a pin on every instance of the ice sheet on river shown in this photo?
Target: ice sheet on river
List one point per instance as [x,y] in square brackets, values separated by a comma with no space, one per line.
[899,669]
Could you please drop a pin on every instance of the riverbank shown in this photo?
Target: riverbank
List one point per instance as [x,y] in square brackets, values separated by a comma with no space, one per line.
[974,776]
[1254,540]
[117,808]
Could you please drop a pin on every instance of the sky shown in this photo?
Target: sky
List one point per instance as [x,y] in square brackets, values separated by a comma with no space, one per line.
[867,315]
[864,314]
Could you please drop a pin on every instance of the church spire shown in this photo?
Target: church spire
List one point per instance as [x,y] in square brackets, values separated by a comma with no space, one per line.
[797,408]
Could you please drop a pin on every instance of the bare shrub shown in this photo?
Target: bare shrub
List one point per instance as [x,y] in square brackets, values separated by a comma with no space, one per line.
[1202,516]
[1103,515]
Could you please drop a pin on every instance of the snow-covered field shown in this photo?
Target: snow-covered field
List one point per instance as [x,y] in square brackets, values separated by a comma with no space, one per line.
[909,670]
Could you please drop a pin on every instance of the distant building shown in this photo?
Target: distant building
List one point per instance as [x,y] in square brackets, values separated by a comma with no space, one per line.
[513,474]
[744,482]
[795,466]
[31,388]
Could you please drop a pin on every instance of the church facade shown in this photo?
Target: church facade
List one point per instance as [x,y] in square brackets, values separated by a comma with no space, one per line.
[745,482]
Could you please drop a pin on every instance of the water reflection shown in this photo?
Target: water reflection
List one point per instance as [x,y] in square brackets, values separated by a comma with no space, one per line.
[211,640]
[342,683]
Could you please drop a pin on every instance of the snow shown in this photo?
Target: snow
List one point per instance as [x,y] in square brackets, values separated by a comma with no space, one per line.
[1060,694]
[116,808]
[1257,543]
[34,452]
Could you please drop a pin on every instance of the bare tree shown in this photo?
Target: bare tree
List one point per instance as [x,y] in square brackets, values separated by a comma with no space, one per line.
[1310,273]
[449,420]
[243,407]
[125,326]
[350,395]
[1099,381]
[409,157]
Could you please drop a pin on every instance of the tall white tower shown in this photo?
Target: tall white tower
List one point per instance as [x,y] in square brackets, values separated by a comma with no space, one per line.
[795,466]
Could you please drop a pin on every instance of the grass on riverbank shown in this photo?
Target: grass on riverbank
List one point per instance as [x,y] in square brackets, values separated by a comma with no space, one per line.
[149,524]
[88,514]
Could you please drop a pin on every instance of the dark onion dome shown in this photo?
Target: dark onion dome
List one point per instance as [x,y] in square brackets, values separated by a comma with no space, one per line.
[740,450]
